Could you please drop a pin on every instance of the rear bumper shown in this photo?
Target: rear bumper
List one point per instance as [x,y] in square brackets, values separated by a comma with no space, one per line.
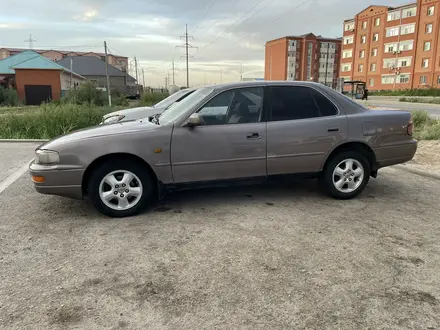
[395,154]
[58,180]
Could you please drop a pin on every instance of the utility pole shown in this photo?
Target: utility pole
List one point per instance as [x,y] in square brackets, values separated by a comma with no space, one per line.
[137,81]
[221,75]
[186,45]
[143,78]
[108,78]
[71,71]
[173,73]
[30,41]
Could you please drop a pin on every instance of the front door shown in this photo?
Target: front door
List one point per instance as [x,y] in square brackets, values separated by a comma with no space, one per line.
[230,143]
[303,127]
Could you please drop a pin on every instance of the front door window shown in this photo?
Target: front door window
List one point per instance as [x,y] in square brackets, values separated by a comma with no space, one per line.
[237,106]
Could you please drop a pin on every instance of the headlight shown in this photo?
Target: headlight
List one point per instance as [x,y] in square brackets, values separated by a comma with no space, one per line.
[46,157]
[113,119]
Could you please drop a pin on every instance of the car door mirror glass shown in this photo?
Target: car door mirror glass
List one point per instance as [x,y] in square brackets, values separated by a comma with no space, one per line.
[193,120]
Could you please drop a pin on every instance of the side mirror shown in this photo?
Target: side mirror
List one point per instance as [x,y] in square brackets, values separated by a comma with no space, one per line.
[193,120]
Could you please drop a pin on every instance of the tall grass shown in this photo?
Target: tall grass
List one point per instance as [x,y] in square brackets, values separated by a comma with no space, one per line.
[408,92]
[425,127]
[50,120]
[418,100]
[149,99]
[8,97]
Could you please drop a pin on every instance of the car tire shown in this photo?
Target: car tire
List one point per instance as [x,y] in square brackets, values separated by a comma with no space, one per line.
[345,175]
[121,188]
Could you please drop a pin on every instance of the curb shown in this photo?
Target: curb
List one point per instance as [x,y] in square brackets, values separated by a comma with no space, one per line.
[22,140]
[425,174]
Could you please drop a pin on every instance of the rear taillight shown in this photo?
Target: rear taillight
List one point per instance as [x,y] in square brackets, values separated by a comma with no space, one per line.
[410,128]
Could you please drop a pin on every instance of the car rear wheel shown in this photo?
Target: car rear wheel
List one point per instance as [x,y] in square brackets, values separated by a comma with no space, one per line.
[346,175]
[120,188]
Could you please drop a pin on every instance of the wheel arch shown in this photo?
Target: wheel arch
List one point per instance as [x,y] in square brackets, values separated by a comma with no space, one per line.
[105,158]
[358,146]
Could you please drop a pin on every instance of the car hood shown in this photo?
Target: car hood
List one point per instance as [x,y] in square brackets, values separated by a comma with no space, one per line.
[103,130]
[135,113]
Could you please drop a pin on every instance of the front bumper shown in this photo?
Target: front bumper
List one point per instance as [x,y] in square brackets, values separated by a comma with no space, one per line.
[61,180]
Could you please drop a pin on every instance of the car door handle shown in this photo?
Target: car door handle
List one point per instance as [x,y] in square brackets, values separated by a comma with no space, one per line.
[333,129]
[253,136]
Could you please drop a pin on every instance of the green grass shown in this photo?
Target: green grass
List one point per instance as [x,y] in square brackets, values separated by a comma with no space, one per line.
[49,120]
[419,100]
[149,99]
[425,127]
[408,92]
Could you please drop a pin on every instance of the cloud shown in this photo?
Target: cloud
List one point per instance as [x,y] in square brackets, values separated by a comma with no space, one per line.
[151,30]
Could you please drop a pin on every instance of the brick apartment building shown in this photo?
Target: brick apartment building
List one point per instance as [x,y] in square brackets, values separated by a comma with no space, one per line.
[306,57]
[120,62]
[393,47]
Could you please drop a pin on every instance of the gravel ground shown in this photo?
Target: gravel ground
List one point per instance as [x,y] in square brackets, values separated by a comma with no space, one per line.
[266,257]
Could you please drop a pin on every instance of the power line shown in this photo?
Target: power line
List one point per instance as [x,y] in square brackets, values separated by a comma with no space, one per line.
[186,45]
[58,47]
[232,25]
[276,19]
[204,15]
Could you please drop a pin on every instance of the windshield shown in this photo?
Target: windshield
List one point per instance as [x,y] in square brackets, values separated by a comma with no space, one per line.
[173,113]
[165,103]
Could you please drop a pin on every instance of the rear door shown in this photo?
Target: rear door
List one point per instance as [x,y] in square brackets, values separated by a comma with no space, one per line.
[303,126]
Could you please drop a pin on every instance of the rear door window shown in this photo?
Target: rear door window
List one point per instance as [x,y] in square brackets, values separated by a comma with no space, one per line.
[298,102]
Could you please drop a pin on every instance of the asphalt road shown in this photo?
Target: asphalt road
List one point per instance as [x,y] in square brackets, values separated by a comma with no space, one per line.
[433,109]
[266,257]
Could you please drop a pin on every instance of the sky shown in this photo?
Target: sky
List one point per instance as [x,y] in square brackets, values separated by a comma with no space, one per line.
[229,34]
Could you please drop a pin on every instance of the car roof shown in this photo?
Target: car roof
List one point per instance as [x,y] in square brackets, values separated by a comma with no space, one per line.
[264,83]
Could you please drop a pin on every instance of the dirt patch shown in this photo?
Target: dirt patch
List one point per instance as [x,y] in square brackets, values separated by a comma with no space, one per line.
[65,315]
[427,156]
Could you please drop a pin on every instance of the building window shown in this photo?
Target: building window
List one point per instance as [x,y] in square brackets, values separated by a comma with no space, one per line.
[429,28]
[373,67]
[404,63]
[406,45]
[374,52]
[371,83]
[347,53]
[390,48]
[422,80]
[388,79]
[346,67]
[393,31]
[363,39]
[377,22]
[376,37]
[425,63]
[409,12]
[431,11]
[438,79]
[361,68]
[349,26]
[348,40]
[362,54]
[364,25]
[404,78]
[393,15]
[389,63]
[427,46]
[407,29]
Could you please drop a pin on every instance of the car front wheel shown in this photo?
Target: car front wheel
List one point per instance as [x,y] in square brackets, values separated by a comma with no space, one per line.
[346,175]
[120,188]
